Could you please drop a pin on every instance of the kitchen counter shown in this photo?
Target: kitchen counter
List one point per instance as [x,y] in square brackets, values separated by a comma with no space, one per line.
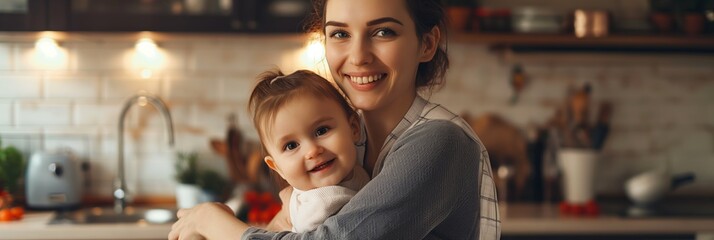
[34,226]
[545,219]
[518,219]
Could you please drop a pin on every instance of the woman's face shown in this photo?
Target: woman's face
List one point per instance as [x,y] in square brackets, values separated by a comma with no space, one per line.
[373,51]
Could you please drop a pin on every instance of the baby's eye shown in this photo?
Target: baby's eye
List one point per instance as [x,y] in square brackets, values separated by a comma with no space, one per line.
[290,146]
[321,131]
[385,32]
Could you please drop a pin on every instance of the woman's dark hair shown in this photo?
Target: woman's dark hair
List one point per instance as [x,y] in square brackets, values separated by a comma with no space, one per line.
[426,14]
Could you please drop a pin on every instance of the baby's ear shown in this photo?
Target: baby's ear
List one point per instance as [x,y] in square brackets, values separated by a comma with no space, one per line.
[271,164]
[355,125]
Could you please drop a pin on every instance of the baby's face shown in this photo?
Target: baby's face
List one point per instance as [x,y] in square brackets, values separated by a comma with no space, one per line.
[311,143]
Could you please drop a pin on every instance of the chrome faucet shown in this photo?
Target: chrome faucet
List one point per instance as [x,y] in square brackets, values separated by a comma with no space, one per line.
[120,182]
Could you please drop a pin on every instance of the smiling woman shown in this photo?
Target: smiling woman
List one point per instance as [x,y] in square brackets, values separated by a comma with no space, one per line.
[431,176]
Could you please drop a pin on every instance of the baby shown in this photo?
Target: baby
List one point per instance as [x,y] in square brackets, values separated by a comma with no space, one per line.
[309,133]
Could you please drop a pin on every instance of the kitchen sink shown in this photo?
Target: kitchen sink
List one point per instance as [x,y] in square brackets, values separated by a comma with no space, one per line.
[99,215]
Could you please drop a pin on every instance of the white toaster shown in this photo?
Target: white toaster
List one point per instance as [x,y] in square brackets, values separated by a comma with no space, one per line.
[53,181]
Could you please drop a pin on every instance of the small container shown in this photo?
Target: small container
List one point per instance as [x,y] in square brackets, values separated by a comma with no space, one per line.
[591,23]
[492,20]
[537,20]
[578,167]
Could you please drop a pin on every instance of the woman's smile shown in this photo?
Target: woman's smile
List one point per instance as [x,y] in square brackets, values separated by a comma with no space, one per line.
[365,82]
[365,79]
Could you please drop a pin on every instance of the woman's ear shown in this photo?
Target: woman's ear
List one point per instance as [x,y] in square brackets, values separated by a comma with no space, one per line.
[271,164]
[355,126]
[429,44]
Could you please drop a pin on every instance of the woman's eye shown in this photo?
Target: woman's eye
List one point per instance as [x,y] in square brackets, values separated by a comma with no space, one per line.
[290,146]
[338,34]
[384,32]
[321,131]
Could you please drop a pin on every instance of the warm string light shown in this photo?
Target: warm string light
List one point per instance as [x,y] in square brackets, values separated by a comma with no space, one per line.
[147,48]
[311,56]
[147,58]
[48,54]
[47,47]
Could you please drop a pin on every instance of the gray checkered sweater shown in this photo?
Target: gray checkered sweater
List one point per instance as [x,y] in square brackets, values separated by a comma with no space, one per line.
[432,180]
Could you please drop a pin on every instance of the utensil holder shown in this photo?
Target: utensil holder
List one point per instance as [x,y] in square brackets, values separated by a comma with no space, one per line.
[577,167]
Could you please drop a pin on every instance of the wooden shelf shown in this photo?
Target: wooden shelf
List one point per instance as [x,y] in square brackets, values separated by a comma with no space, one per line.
[567,42]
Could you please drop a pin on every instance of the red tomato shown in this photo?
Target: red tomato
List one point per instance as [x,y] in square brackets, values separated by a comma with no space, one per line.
[592,209]
[5,215]
[251,197]
[265,216]
[274,208]
[565,207]
[17,212]
[266,198]
[253,215]
[578,209]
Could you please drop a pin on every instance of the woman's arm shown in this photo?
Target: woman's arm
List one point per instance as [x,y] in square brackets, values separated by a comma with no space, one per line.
[432,170]
[216,221]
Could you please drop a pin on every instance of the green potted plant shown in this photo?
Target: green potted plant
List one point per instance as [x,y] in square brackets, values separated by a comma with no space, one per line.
[195,185]
[12,167]
[188,193]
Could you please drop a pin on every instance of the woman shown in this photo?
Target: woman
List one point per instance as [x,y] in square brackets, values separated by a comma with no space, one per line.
[431,177]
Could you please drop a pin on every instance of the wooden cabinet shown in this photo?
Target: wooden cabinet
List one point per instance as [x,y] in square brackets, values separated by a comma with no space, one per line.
[565,42]
[262,16]
[23,15]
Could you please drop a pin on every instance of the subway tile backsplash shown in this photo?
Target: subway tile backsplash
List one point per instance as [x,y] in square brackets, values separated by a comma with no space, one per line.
[664,104]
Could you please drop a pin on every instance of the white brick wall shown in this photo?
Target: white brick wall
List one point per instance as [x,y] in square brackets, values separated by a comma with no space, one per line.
[43,113]
[72,86]
[664,105]
[6,113]
[123,88]
[14,86]
[6,57]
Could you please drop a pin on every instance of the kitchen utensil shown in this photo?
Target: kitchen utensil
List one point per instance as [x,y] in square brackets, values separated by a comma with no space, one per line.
[232,150]
[236,160]
[506,146]
[649,187]
[577,133]
[602,127]
[518,82]
[53,181]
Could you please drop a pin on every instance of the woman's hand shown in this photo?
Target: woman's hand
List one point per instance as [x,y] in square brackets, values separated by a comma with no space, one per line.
[207,221]
[281,221]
